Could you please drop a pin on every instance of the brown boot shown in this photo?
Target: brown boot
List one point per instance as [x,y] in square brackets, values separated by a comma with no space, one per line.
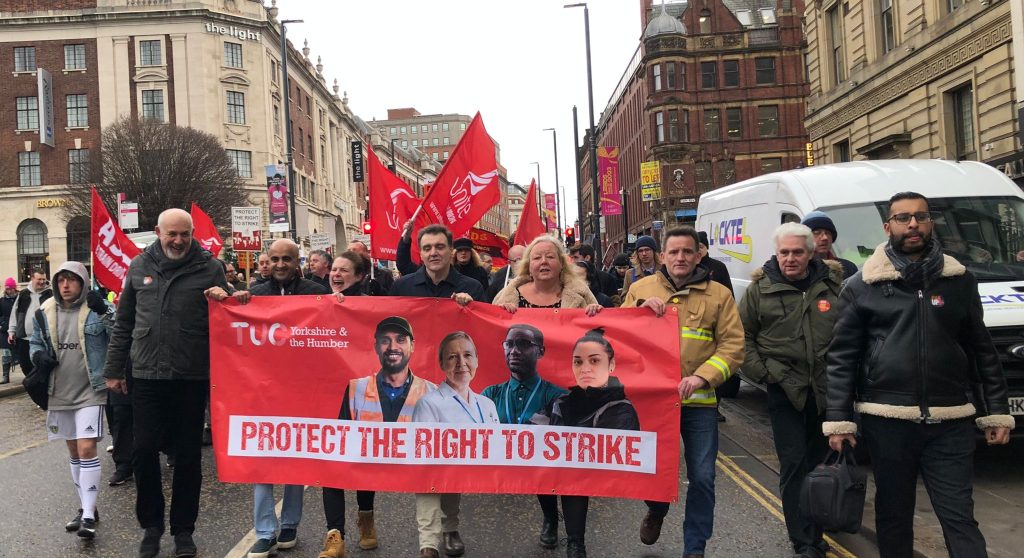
[428,553]
[367,531]
[334,546]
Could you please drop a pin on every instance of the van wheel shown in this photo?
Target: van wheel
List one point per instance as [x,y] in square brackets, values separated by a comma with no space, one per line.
[730,389]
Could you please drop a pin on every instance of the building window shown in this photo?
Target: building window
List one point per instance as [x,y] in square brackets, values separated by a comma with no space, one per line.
[273,71]
[702,176]
[841,152]
[764,71]
[309,107]
[433,127]
[242,161]
[734,123]
[277,120]
[149,53]
[394,131]
[78,111]
[24,59]
[963,122]
[444,127]
[731,73]
[309,146]
[405,144]
[28,168]
[705,21]
[670,76]
[236,107]
[712,124]
[423,128]
[433,141]
[74,57]
[32,248]
[656,77]
[413,129]
[78,230]
[659,127]
[28,113]
[726,171]
[153,104]
[233,55]
[78,166]
[446,141]
[953,5]
[403,130]
[768,121]
[302,144]
[435,155]
[708,75]
[415,143]
[323,153]
[835,32]
[673,125]
[445,155]
[462,126]
[888,25]
[771,164]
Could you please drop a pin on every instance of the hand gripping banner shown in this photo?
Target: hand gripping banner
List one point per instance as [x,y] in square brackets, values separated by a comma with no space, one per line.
[301,386]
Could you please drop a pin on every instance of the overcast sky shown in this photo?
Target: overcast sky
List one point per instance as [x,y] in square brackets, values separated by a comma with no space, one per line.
[521,63]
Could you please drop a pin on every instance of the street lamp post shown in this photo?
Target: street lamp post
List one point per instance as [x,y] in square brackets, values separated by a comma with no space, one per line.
[540,198]
[593,136]
[288,126]
[394,165]
[558,196]
[579,184]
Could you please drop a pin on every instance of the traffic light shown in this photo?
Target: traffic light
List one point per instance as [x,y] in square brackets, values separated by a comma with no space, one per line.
[570,236]
[367,227]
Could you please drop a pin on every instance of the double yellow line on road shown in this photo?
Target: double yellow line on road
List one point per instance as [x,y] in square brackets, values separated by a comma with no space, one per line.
[767,498]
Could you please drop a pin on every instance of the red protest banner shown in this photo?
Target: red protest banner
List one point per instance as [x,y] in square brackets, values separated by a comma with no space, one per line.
[490,243]
[293,435]
[112,250]
[530,225]
[392,203]
[204,231]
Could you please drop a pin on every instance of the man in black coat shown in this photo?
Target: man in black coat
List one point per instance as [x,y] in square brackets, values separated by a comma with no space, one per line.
[603,281]
[505,275]
[19,327]
[717,271]
[437,277]
[909,345]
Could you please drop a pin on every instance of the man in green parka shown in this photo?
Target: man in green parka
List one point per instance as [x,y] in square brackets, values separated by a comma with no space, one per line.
[788,312]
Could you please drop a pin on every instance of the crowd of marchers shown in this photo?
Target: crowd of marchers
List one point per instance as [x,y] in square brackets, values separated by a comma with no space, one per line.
[885,356]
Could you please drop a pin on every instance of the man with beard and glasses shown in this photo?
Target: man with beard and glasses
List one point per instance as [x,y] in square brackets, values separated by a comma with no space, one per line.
[388,395]
[908,346]
[524,395]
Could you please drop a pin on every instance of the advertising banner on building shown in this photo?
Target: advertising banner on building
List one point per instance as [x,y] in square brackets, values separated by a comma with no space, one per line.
[608,177]
[246,229]
[616,433]
[44,84]
[550,212]
[650,180]
[277,194]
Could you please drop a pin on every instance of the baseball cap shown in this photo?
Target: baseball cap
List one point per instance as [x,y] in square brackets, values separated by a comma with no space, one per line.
[395,324]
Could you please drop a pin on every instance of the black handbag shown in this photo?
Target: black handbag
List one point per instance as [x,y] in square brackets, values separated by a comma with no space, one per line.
[37,381]
[832,495]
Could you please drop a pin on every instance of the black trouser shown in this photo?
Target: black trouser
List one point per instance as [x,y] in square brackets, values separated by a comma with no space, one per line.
[800,447]
[944,456]
[21,351]
[119,422]
[334,506]
[549,505]
[175,408]
[574,510]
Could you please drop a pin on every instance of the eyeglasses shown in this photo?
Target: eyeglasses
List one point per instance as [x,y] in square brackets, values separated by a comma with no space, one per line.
[904,218]
[520,344]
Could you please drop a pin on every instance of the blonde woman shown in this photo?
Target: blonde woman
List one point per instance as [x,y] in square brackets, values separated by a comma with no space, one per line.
[545,278]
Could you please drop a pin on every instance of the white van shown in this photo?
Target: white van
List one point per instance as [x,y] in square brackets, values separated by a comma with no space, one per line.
[979,216]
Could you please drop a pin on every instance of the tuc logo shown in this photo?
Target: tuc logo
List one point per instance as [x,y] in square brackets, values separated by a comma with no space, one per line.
[729,235]
[275,334]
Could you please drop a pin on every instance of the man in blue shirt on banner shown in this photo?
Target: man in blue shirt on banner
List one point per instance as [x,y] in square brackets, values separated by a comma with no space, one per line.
[523,396]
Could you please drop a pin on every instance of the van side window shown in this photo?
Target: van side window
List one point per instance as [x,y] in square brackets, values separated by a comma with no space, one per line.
[789,218]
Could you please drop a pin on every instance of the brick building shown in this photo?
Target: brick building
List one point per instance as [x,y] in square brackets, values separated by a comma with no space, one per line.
[715,93]
[211,65]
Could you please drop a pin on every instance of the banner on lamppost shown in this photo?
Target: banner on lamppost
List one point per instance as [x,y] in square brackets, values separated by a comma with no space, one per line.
[550,212]
[357,161]
[608,176]
[650,180]
[44,82]
[277,194]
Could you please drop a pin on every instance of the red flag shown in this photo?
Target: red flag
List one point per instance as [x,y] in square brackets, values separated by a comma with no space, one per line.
[467,186]
[530,225]
[492,244]
[392,203]
[112,250]
[204,232]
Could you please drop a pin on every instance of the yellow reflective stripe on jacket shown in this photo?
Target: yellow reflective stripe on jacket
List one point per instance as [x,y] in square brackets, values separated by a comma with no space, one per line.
[721,365]
[701,397]
[698,333]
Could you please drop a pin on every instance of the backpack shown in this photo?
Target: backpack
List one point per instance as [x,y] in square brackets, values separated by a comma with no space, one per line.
[832,495]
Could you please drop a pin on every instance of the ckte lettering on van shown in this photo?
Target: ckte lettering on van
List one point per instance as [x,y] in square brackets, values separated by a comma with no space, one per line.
[730,238]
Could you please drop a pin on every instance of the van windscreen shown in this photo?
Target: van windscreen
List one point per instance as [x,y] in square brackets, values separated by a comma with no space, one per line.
[986,234]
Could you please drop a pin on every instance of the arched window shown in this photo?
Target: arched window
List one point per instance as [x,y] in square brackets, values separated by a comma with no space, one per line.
[705,21]
[78,239]
[33,249]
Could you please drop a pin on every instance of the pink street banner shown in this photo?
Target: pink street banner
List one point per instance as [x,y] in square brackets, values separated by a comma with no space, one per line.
[550,212]
[608,175]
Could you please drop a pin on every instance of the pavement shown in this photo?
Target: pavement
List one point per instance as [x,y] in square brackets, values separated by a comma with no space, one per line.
[14,387]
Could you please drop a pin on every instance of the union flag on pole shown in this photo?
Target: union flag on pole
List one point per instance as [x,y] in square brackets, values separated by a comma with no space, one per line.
[392,203]
[530,224]
[112,250]
[204,231]
[467,186]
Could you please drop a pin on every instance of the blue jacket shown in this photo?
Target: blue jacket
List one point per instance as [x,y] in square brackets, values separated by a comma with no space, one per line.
[93,329]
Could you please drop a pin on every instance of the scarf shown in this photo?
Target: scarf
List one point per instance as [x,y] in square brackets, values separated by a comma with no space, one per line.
[928,267]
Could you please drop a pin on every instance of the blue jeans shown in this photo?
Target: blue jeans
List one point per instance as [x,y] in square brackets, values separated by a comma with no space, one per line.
[699,428]
[263,509]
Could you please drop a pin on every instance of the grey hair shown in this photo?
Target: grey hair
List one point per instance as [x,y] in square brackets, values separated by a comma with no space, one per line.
[794,229]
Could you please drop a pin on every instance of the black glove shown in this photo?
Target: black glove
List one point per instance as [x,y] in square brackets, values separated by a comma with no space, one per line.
[43,362]
[96,303]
